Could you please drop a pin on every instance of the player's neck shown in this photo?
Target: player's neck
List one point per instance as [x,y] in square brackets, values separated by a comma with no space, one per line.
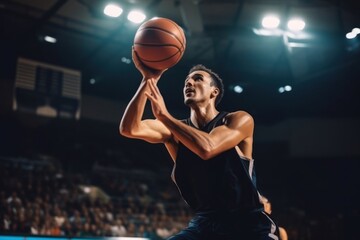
[200,116]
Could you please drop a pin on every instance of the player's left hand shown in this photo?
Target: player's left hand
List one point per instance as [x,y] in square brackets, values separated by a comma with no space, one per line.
[157,101]
[145,71]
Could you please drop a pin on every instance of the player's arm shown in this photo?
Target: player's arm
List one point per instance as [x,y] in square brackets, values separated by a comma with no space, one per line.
[239,126]
[131,124]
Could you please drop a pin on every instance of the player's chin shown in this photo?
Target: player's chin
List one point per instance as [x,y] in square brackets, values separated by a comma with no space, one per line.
[188,101]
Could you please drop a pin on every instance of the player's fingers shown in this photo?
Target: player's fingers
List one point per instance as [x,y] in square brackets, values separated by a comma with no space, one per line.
[149,96]
[153,87]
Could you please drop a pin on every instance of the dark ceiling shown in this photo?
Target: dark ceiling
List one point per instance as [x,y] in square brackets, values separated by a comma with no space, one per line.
[322,66]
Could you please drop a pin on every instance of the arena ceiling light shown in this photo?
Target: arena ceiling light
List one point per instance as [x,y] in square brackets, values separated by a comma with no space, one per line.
[356,30]
[353,33]
[238,89]
[270,22]
[50,39]
[286,88]
[136,16]
[296,24]
[113,10]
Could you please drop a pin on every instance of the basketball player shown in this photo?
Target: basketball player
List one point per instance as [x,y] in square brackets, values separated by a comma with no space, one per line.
[212,154]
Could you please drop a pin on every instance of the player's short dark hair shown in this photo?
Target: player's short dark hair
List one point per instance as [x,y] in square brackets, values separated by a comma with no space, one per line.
[216,80]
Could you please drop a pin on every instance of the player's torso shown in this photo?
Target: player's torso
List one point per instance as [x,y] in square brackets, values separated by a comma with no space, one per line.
[221,183]
[244,149]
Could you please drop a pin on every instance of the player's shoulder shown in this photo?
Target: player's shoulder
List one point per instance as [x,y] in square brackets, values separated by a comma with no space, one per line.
[240,115]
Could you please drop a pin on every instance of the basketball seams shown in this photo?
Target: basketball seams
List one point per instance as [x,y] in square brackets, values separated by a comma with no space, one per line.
[163,30]
[183,42]
[179,57]
[157,45]
[164,59]
[182,33]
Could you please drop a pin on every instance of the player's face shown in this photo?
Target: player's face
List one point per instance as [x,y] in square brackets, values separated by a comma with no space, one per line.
[197,87]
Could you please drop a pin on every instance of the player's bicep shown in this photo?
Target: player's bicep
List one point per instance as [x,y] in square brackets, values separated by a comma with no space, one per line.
[237,127]
[154,131]
[223,138]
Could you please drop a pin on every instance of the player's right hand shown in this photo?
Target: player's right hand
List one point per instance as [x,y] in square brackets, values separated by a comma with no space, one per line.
[146,72]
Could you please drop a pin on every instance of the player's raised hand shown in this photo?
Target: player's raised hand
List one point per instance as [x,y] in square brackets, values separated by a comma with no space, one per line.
[157,101]
[146,72]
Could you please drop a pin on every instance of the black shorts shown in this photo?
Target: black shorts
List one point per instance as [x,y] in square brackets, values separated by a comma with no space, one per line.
[255,225]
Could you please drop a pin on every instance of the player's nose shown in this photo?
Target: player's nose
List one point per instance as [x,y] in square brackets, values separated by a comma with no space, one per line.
[189,83]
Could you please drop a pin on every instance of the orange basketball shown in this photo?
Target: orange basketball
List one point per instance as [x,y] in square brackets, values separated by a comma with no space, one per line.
[159,43]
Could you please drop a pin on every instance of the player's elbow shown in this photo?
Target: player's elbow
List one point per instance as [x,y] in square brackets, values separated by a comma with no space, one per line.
[125,131]
[206,153]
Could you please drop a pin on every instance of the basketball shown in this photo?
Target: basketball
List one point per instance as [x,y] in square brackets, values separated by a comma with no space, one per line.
[159,43]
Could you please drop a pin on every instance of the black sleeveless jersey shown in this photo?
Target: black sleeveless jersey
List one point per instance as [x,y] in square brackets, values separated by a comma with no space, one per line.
[223,183]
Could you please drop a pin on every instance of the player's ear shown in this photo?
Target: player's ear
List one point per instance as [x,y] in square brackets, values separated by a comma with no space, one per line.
[215,92]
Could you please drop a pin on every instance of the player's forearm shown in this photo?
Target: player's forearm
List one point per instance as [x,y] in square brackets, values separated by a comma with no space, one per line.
[197,141]
[132,117]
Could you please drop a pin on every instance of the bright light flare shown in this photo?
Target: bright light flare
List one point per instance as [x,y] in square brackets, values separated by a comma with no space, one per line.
[113,10]
[270,22]
[356,30]
[351,35]
[238,89]
[288,88]
[136,16]
[296,24]
[50,39]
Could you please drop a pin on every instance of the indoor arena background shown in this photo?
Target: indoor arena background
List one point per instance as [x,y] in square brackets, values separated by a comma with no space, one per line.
[66,75]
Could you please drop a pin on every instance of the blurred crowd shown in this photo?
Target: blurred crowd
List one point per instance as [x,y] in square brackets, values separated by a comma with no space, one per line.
[47,202]
[43,200]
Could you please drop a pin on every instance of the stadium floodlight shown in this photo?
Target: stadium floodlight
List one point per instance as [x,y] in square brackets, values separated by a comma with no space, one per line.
[356,30]
[351,35]
[238,89]
[296,24]
[136,16]
[270,21]
[288,88]
[50,39]
[113,10]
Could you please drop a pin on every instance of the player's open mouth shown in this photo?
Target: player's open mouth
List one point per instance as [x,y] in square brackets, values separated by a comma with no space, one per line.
[189,91]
